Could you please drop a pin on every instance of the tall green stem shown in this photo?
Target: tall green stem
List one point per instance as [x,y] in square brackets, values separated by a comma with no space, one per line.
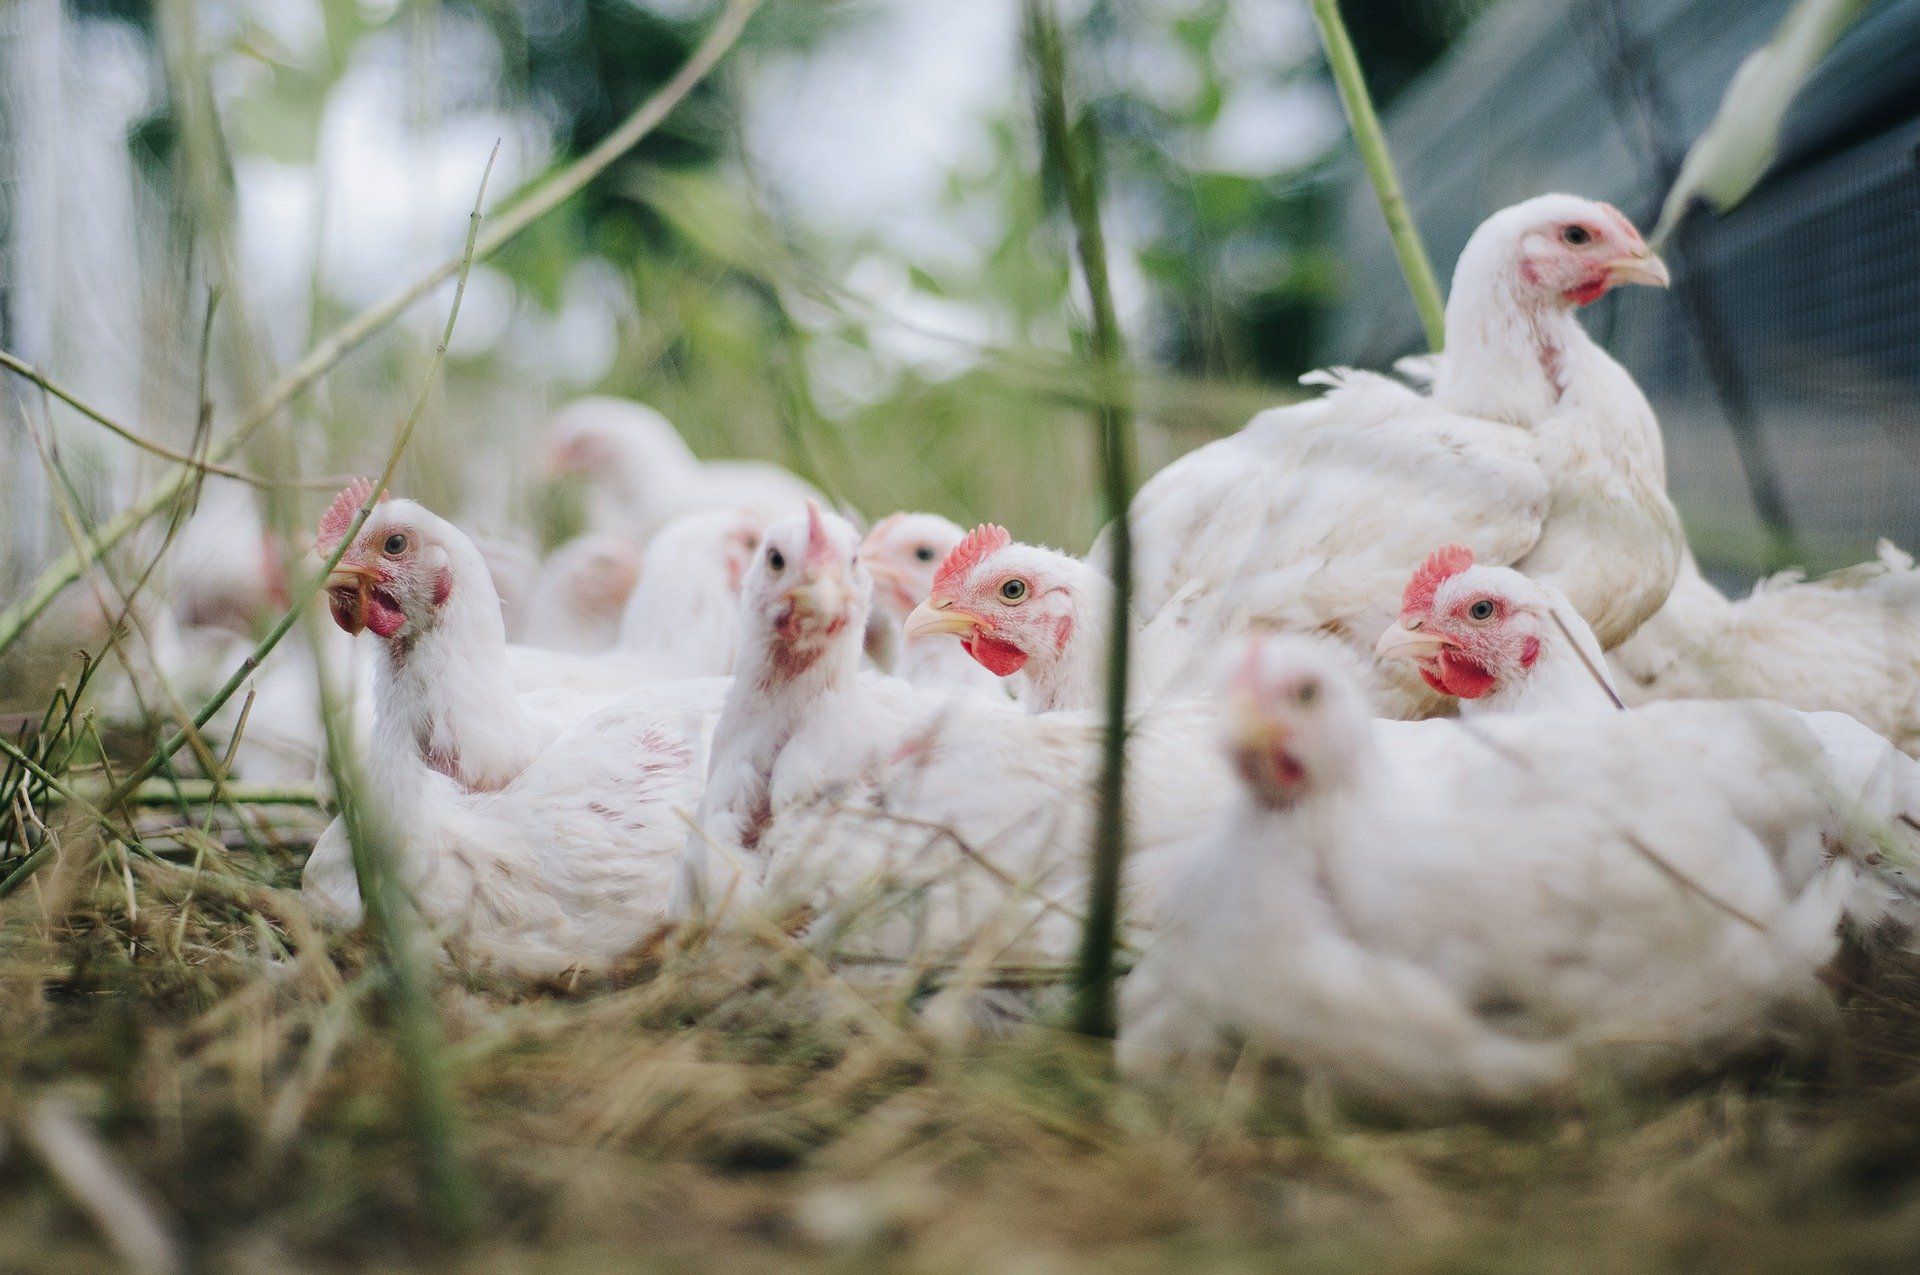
[1371,139]
[1070,152]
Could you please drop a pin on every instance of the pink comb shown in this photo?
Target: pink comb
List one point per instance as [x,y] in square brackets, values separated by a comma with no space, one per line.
[819,546]
[982,541]
[339,515]
[1441,565]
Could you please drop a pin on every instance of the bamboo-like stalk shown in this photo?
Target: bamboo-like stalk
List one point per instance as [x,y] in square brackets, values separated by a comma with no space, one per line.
[535,205]
[1070,153]
[449,1189]
[1371,140]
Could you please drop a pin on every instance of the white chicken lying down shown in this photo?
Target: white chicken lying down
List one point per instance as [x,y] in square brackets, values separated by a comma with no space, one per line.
[904,553]
[1502,643]
[684,618]
[1534,448]
[1848,642]
[1021,609]
[540,834]
[1481,912]
[641,475]
[917,825]
[580,592]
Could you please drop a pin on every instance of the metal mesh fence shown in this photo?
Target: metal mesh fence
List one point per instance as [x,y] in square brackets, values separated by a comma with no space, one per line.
[1813,283]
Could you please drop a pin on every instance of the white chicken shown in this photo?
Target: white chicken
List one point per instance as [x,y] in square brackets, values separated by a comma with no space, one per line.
[515,571]
[926,826]
[684,618]
[539,835]
[223,569]
[1534,448]
[1022,609]
[581,592]
[1484,911]
[1848,642]
[1502,643]
[904,553]
[641,476]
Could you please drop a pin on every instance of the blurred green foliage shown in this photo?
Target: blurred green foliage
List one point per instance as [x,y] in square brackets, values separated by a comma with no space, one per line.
[740,324]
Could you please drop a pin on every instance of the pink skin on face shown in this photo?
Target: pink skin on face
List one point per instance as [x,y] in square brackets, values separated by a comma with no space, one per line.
[1581,259]
[1463,641]
[382,565]
[904,552]
[1260,706]
[1003,615]
[814,596]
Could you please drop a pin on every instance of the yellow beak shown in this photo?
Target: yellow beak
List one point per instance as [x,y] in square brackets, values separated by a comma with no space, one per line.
[1642,267]
[935,616]
[822,597]
[1403,643]
[348,575]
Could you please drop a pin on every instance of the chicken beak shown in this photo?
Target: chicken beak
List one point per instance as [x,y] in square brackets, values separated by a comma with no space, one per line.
[1639,267]
[347,587]
[936,615]
[821,597]
[1250,731]
[1403,643]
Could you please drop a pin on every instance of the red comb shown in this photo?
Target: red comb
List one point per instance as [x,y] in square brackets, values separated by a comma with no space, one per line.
[979,543]
[339,515]
[1441,565]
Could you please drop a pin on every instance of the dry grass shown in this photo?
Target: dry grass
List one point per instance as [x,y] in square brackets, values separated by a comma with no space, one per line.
[734,1106]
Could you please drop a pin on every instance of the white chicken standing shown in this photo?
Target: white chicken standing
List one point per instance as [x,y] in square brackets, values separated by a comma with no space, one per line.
[1534,448]
[952,825]
[1848,642]
[1483,912]
[538,835]
[641,475]
[904,552]
[581,592]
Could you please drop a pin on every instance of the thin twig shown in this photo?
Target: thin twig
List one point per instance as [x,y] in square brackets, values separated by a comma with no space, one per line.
[1600,678]
[349,336]
[21,368]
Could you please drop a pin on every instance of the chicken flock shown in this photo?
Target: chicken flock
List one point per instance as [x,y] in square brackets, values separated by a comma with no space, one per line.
[1449,777]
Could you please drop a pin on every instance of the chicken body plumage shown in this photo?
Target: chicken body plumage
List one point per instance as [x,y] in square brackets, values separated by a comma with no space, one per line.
[641,475]
[538,833]
[1849,642]
[1436,912]
[917,825]
[1534,449]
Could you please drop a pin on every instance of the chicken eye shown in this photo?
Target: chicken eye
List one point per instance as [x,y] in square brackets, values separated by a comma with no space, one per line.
[1576,235]
[1013,590]
[1481,610]
[396,545]
[776,560]
[1306,693]
[924,553]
